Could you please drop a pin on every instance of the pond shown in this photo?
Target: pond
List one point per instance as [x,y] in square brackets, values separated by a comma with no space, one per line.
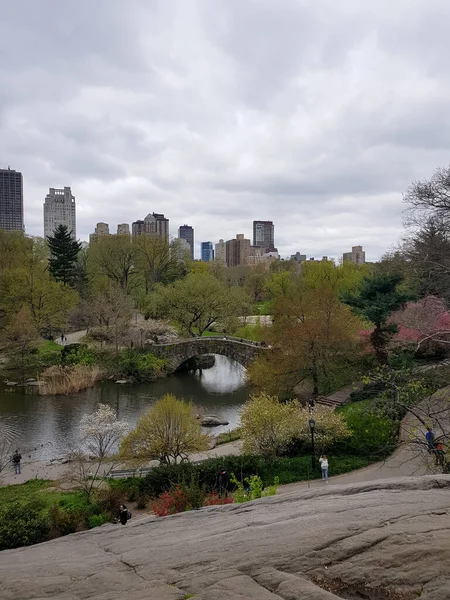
[46,426]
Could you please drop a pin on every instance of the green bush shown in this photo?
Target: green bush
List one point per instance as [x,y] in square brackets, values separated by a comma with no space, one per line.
[49,353]
[373,434]
[78,354]
[22,524]
[206,474]
[142,366]
[97,520]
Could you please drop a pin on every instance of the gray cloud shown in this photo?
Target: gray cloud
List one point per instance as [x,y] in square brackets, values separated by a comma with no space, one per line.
[315,115]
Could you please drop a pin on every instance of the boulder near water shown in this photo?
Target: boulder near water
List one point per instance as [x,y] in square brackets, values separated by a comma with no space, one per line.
[380,540]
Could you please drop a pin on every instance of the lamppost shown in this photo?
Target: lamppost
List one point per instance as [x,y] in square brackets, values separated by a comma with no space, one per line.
[312,424]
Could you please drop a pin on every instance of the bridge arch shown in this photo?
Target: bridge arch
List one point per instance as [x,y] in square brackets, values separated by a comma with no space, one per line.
[177,353]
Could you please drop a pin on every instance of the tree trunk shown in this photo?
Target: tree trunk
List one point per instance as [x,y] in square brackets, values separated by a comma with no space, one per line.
[379,341]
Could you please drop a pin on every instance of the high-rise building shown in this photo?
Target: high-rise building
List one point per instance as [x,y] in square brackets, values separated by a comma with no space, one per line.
[138,228]
[59,209]
[298,257]
[220,252]
[11,200]
[123,229]
[101,230]
[207,251]
[263,235]
[186,232]
[157,224]
[237,251]
[357,255]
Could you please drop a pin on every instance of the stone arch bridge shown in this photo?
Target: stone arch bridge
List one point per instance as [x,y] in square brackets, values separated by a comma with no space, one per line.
[177,353]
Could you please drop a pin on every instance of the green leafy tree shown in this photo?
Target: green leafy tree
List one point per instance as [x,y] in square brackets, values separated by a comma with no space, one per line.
[269,427]
[113,257]
[29,282]
[315,339]
[199,300]
[379,296]
[168,432]
[64,252]
[21,335]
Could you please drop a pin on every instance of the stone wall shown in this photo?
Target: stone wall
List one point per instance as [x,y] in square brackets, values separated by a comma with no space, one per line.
[177,353]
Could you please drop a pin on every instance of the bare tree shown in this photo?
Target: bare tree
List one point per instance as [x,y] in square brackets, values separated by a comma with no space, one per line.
[429,198]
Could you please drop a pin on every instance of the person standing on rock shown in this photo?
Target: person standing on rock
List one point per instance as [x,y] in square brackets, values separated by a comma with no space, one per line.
[430,439]
[16,458]
[324,466]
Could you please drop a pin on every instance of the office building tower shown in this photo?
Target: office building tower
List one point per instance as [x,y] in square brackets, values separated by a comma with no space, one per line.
[220,253]
[357,255]
[101,230]
[157,224]
[138,228]
[263,235]
[123,229]
[207,251]
[59,209]
[186,232]
[11,200]
[237,251]
[298,257]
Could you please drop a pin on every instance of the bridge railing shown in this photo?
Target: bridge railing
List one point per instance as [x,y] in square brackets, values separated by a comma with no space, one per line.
[215,338]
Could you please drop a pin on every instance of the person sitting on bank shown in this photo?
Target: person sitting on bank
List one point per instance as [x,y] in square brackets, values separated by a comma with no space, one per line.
[16,458]
[123,514]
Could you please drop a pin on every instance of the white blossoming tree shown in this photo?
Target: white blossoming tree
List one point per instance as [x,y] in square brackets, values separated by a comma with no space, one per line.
[93,459]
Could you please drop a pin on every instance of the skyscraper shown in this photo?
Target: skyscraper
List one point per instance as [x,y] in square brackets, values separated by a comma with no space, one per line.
[220,253]
[11,200]
[186,232]
[138,228]
[101,230]
[263,234]
[157,224]
[357,255]
[123,229]
[207,252]
[59,209]
[237,251]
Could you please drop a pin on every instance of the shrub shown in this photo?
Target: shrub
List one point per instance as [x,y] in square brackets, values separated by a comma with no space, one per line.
[213,499]
[62,522]
[108,501]
[269,427]
[49,353]
[142,366]
[78,354]
[22,524]
[169,431]
[97,520]
[373,434]
[171,502]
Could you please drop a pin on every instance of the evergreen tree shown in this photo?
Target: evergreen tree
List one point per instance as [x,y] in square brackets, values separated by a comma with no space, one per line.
[63,255]
[378,298]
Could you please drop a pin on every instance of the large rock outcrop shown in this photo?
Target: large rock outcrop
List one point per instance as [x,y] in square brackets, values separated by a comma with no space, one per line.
[381,540]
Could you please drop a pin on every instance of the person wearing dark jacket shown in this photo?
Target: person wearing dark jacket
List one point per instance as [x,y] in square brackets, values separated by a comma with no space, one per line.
[16,458]
[123,514]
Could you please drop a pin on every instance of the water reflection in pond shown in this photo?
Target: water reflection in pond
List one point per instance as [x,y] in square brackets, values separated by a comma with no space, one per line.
[47,425]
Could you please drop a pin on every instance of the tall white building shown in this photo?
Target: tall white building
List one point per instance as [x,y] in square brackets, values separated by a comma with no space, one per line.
[220,254]
[59,209]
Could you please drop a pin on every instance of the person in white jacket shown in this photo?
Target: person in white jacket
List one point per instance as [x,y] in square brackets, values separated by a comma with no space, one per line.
[324,466]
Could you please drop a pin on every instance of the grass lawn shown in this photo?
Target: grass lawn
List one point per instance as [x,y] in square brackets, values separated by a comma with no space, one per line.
[229,436]
[263,307]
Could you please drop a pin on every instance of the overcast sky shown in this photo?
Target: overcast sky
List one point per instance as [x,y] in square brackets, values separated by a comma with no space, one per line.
[314,114]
